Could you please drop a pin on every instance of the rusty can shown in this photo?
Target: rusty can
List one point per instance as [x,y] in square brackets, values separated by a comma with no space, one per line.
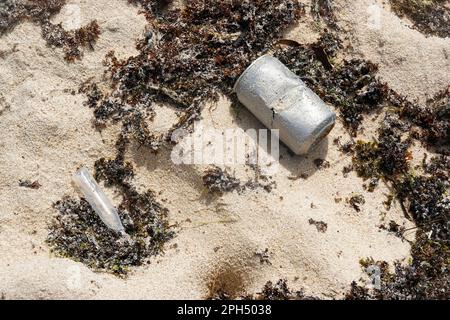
[281,100]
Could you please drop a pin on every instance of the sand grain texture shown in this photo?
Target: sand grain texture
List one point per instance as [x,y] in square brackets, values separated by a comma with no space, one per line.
[47,133]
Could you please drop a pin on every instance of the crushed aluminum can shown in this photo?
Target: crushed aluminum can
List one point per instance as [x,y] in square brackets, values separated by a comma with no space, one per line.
[281,100]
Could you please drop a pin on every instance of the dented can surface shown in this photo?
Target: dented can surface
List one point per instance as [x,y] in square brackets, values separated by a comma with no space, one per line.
[281,100]
[98,199]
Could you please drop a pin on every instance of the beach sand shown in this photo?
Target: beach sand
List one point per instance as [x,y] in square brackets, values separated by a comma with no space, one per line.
[47,133]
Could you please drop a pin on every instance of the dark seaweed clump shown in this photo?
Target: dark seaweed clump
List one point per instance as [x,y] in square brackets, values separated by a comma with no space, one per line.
[356,201]
[13,12]
[350,86]
[425,277]
[218,180]
[187,57]
[78,232]
[324,10]
[40,11]
[431,17]
[71,41]
[320,225]
[422,194]
[388,156]
[394,228]
[427,201]
[432,119]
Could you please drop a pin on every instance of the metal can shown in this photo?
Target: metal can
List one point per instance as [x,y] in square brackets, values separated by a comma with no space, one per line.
[281,100]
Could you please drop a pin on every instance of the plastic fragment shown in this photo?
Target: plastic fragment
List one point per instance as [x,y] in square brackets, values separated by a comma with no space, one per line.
[98,199]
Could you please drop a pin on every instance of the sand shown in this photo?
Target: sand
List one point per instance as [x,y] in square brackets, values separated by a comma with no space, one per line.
[47,133]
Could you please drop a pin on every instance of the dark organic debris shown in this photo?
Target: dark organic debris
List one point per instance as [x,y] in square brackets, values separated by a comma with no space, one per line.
[78,232]
[218,180]
[281,291]
[428,202]
[386,157]
[323,9]
[395,228]
[226,281]
[320,225]
[423,197]
[425,277]
[263,256]
[351,86]
[431,17]
[28,184]
[71,41]
[13,12]
[322,164]
[187,57]
[432,119]
[356,201]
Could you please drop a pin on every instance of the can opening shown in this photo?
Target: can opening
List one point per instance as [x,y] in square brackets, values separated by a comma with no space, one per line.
[321,135]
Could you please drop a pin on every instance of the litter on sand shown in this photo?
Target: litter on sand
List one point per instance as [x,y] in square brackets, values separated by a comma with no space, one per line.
[98,199]
[281,100]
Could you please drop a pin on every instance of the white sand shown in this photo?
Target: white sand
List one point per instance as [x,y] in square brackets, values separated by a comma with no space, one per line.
[47,134]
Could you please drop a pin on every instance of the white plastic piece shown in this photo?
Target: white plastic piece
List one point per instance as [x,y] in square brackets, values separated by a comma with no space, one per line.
[98,199]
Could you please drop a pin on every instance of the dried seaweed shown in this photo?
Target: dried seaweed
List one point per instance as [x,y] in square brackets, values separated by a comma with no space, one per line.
[78,232]
[433,118]
[322,163]
[320,225]
[13,12]
[219,181]
[356,201]
[39,11]
[28,184]
[423,197]
[323,10]
[188,57]
[71,41]
[431,17]
[394,228]
[264,256]
[386,157]
[428,203]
